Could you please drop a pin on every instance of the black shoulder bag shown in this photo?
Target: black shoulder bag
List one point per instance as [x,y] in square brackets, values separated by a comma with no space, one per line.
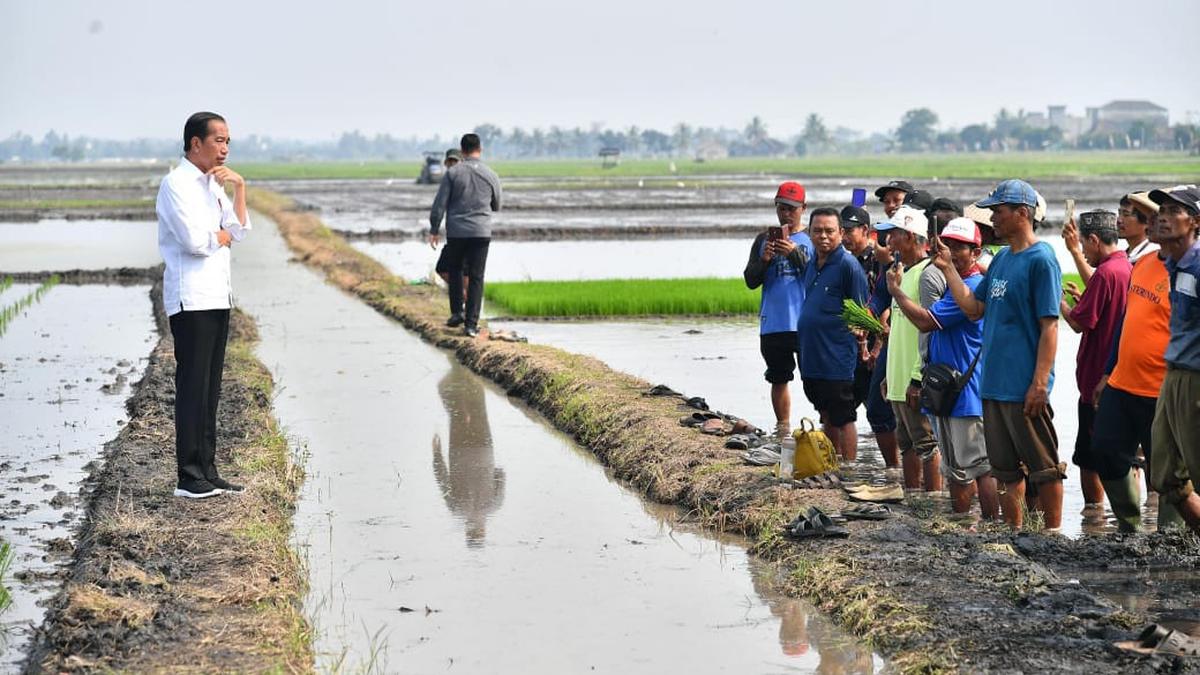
[941,385]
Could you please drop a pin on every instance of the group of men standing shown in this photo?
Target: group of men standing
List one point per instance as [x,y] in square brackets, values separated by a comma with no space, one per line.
[942,296]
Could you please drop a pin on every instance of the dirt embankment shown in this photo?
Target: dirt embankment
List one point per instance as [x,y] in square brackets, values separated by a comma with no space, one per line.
[919,589]
[160,583]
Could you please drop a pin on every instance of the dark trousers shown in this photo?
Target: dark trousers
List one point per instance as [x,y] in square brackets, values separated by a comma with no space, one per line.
[467,256]
[199,360]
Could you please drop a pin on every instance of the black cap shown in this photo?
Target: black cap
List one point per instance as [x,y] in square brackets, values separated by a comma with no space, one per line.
[853,216]
[1097,220]
[945,204]
[918,199]
[1187,196]
[902,185]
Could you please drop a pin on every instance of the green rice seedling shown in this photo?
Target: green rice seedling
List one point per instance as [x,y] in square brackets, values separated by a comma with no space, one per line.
[858,317]
[14,310]
[624,297]
[6,558]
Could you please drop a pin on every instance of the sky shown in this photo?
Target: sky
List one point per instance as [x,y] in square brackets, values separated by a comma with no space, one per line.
[312,70]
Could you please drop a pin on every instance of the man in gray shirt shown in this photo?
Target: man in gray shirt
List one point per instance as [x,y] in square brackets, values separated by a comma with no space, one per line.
[468,194]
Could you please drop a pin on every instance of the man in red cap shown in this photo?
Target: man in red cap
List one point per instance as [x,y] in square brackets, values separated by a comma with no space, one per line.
[778,258]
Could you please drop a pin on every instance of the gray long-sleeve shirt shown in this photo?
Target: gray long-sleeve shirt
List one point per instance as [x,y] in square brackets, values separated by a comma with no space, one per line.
[467,196]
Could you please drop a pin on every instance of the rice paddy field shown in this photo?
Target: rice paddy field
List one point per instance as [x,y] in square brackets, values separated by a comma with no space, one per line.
[1029,165]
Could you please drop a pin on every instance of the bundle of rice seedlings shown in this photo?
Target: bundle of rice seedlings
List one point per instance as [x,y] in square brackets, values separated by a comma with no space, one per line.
[6,557]
[858,317]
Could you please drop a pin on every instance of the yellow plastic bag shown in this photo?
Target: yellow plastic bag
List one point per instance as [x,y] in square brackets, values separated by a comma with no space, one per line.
[814,451]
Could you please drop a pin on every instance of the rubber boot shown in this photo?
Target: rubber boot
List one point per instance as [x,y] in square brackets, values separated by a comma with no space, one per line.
[1124,495]
[1168,515]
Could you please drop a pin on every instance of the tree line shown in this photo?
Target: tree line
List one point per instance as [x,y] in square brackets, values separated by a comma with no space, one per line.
[917,132]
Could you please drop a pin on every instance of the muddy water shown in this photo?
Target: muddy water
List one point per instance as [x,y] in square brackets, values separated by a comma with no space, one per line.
[558,260]
[61,399]
[77,244]
[443,524]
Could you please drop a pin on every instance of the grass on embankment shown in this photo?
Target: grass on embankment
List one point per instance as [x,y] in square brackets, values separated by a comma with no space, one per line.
[1029,165]
[624,297]
[81,204]
[631,297]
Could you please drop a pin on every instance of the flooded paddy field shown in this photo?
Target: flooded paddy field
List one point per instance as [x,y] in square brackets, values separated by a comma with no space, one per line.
[442,522]
[78,244]
[62,396]
[361,206]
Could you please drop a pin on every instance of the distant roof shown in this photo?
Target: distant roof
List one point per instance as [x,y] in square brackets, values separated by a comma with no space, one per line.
[1132,106]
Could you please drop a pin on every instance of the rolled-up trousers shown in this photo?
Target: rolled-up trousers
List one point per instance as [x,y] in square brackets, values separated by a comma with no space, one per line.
[199,360]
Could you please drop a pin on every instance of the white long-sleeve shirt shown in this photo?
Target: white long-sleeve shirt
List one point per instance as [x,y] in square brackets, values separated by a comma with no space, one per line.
[192,207]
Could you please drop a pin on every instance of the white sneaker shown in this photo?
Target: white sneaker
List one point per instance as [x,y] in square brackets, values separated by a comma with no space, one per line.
[197,489]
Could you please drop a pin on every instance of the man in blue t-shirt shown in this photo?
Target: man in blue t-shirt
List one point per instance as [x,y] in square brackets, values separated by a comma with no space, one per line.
[1020,295]
[828,350]
[778,258]
[955,341]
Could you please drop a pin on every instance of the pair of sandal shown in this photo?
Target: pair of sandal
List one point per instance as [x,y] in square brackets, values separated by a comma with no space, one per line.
[822,481]
[765,455]
[739,441]
[867,511]
[814,524]
[888,494]
[1157,639]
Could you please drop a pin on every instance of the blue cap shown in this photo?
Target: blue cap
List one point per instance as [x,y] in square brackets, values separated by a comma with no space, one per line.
[1011,191]
[883,226]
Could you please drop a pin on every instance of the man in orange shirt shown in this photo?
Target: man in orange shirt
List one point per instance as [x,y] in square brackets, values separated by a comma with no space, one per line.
[1127,394]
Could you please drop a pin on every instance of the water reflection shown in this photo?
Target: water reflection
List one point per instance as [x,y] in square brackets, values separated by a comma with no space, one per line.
[470,481]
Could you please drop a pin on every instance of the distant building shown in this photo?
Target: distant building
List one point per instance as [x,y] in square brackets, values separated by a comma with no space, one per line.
[1118,116]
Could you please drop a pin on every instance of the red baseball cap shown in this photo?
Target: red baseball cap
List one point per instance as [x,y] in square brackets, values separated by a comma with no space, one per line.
[790,193]
[962,229]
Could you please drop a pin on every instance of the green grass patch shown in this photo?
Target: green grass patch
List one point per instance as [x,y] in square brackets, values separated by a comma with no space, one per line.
[631,297]
[6,558]
[624,297]
[53,204]
[1029,165]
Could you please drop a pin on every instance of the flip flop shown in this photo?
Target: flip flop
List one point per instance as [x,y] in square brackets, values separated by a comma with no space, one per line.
[1156,639]
[741,426]
[661,390]
[763,456]
[743,441]
[815,523]
[868,511]
[713,427]
[698,418]
[892,494]
[697,403]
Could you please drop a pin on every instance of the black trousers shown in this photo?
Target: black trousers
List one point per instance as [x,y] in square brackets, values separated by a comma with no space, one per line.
[199,360]
[467,256]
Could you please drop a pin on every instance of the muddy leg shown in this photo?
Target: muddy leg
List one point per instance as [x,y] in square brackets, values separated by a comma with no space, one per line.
[989,501]
[848,441]
[781,402]
[912,470]
[1093,489]
[1050,496]
[933,473]
[888,448]
[961,495]
[1189,510]
[1011,502]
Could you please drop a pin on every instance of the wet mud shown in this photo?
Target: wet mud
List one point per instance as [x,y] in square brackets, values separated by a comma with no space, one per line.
[158,583]
[924,592]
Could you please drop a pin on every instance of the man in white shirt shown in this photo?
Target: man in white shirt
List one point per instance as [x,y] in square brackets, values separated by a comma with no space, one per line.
[197,223]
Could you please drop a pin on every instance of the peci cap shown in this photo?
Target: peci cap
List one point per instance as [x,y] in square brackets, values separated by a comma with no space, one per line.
[945,204]
[1187,196]
[918,199]
[908,219]
[1097,220]
[1012,191]
[962,229]
[790,193]
[853,216]
[901,185]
